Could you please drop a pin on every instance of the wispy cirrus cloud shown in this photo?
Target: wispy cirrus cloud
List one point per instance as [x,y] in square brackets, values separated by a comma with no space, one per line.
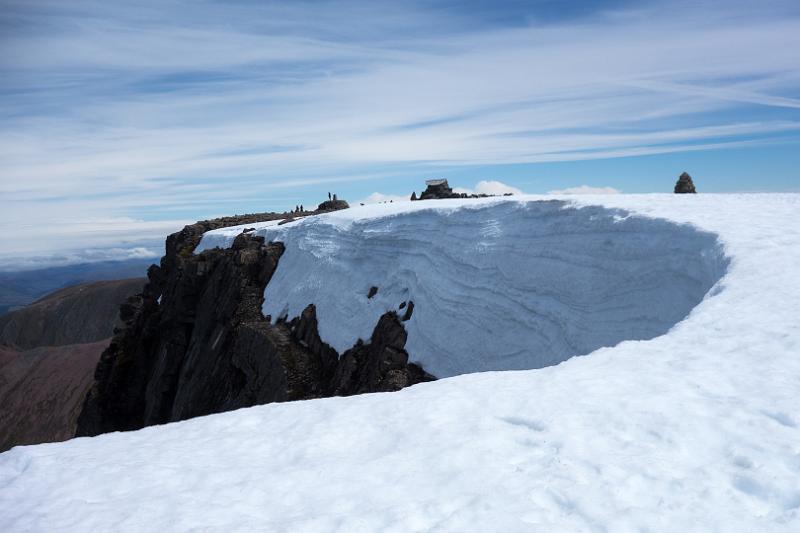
[158,111]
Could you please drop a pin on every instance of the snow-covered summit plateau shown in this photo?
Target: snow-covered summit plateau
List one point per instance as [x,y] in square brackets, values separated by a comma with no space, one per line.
[686,420]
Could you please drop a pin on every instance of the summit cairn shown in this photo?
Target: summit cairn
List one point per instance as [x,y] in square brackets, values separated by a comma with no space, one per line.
[684,184]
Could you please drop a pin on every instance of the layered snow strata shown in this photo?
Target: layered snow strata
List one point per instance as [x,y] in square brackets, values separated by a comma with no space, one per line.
[497,286]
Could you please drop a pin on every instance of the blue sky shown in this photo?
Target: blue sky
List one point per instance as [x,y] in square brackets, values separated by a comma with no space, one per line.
[123,120]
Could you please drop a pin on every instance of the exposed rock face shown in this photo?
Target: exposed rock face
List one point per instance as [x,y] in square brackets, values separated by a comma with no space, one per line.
[195,342]
[378,366]
[381,365]
[186,355]
[684,184]
[78,314]
[42,391]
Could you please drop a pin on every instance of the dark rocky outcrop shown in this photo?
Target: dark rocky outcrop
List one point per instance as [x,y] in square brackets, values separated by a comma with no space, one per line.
[194,342]
[684,184]
[332,205]
[175,356]
[380,365]
[78,314]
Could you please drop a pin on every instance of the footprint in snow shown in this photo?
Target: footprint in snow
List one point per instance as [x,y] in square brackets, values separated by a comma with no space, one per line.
[522,422]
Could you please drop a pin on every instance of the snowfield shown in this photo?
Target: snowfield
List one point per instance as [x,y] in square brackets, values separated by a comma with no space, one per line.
[694,429]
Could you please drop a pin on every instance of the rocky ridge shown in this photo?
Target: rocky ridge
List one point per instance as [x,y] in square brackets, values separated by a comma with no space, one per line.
[194,342]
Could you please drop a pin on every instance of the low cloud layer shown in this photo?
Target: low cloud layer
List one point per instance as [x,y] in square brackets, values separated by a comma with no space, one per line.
[152,251]
[31,244]
[491,187]
[585,189]
[379,198]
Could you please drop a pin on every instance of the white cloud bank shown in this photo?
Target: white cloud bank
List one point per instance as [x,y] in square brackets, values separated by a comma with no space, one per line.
[585,189]
[65,241]
[379,198]
[490,187]
[146,250]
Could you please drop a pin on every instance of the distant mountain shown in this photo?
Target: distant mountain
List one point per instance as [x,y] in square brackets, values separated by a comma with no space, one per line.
[77,314]
[42,391]
[19,288]
[48,354]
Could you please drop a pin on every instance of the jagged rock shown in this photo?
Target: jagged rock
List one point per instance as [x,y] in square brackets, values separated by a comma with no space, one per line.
[413,196]
[194,342]
[684,184]
[178,358]
[372,292]
[380,366]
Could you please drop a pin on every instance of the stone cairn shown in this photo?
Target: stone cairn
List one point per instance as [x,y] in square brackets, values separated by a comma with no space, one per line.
[684,184]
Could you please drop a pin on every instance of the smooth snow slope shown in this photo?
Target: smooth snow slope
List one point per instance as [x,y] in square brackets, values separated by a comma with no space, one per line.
[694,430]
[505,286]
